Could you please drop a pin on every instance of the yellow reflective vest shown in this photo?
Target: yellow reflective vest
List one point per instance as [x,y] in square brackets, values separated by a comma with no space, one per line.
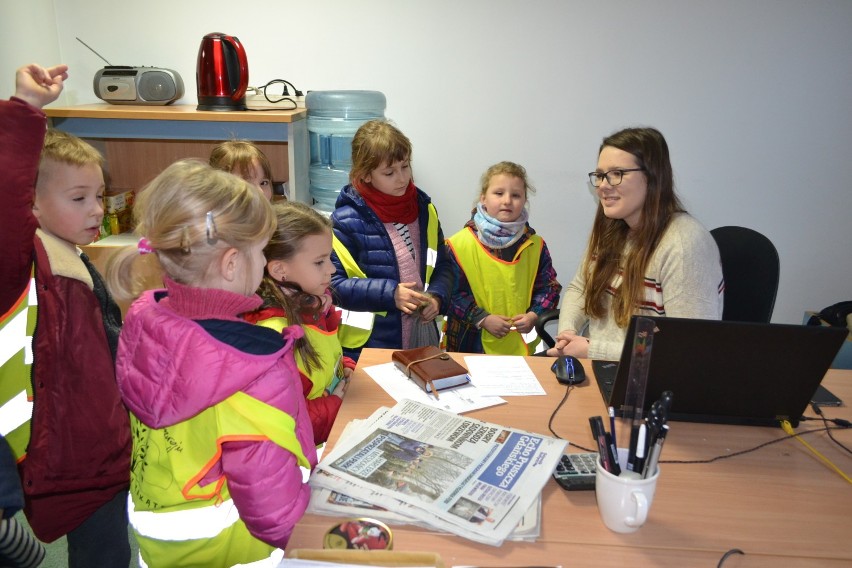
[16,358]
[179,523]
[356,327]
[327,347]
[500,287]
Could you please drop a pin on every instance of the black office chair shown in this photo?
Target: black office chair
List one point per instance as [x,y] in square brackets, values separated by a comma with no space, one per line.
[751,269]
[541,326]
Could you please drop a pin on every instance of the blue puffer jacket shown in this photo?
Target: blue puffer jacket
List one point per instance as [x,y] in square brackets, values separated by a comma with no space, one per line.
[362,233]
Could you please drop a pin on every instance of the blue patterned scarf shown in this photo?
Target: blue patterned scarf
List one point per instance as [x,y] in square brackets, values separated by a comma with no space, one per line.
[497,234]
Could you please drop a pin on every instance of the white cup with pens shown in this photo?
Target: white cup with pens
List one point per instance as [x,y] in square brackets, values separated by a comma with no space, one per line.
[624,500]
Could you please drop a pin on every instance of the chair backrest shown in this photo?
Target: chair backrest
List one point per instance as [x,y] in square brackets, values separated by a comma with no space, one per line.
[751,269]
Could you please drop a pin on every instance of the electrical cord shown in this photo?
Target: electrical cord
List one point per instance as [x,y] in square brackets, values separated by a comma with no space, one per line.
[727,555]
[789,429]
[838,421]
[284,97]
[568,390]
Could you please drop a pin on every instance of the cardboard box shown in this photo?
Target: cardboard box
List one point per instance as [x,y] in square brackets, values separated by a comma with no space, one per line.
[118,200]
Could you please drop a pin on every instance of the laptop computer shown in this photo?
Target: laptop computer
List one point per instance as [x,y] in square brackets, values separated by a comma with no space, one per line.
[727,372]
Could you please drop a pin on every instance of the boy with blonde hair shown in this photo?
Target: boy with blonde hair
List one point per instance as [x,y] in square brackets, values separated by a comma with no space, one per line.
[60,408]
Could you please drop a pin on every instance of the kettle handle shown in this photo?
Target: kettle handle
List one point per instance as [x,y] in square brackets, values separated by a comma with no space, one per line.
[240,91]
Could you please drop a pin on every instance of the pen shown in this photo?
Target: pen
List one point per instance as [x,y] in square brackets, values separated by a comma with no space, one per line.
[631,456]
[600,437]
[612,427]
[639,462]
[612,454]
[651,465]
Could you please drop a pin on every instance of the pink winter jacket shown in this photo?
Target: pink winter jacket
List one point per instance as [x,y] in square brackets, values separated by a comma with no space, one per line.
[185,349]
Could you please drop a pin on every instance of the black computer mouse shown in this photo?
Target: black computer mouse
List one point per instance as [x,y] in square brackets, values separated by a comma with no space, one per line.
[568,370]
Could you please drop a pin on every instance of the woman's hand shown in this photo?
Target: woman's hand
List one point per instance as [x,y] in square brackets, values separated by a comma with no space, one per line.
[569,343]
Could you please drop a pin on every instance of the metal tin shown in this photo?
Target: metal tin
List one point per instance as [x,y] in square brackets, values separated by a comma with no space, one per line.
[359,534]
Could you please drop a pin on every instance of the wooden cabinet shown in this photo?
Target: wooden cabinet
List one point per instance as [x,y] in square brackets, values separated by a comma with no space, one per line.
[138,142]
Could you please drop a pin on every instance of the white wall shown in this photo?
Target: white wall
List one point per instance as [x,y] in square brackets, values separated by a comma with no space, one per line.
[752,95]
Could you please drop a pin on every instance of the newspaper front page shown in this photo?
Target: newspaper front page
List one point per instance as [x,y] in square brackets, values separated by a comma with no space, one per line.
[454,473]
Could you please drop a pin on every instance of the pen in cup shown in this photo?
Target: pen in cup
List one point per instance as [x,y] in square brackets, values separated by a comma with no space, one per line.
[612,426]
[656,449]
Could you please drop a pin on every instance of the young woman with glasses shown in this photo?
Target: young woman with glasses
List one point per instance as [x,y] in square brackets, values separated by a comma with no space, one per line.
[645,255]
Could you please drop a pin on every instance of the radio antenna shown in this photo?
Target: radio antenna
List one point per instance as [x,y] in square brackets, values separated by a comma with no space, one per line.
[93,51]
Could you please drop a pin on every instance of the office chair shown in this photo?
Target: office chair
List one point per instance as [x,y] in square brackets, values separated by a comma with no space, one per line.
[751,268]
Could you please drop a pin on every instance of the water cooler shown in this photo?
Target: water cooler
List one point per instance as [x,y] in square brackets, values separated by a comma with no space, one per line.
[333,119]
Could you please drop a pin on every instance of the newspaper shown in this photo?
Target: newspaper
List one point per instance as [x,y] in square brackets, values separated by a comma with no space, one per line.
[452,473]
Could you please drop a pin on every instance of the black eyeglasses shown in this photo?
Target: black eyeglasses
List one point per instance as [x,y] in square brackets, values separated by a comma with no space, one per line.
[613,177]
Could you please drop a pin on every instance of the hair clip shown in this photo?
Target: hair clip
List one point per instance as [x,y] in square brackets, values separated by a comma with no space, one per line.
[144,246]
[185,241]
[212,234]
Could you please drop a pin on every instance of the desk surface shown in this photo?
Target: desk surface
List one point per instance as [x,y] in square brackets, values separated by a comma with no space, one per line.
[778,504]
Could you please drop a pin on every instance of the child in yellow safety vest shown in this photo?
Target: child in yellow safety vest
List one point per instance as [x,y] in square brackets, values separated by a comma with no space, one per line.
[222,442]
[504,273]
[295,291]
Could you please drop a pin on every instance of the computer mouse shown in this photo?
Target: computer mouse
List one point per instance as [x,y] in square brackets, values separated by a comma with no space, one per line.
[568,370]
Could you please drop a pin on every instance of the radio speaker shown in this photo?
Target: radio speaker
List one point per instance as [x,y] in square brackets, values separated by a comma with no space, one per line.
[122,85]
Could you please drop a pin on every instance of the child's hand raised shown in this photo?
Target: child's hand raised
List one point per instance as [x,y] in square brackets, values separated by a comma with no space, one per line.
[38,85]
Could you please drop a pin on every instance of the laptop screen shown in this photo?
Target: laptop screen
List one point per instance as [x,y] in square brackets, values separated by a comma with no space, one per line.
[729,372]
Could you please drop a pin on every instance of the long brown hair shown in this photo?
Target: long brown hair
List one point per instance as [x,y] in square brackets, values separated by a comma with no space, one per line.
[610,237]
[296,221]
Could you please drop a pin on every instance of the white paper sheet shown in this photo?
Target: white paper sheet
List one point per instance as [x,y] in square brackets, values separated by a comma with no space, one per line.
[458,400]
[502,375]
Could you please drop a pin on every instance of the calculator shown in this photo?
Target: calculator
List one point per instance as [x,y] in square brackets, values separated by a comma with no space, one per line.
[576,472]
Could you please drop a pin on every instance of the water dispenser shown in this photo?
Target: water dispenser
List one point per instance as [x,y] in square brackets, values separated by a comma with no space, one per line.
[333,119]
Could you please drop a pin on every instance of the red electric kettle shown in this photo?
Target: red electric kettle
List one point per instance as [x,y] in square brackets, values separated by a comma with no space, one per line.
[222,73]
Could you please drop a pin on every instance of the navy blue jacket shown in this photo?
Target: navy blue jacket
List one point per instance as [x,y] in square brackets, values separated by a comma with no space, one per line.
[362,233]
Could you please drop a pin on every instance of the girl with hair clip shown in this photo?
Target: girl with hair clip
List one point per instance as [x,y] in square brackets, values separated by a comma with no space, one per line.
[244,159]
[295,291]
[393,276]
[645,255]
[221,435]
[503,272]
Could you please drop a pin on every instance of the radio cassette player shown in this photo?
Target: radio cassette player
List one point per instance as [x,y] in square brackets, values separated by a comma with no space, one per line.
[125,85]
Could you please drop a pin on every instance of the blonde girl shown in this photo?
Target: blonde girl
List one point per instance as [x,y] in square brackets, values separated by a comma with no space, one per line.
[221,435]
[503,271]
[246,160]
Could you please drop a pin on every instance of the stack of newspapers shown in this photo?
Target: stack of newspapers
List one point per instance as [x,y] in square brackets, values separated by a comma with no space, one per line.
[417,464]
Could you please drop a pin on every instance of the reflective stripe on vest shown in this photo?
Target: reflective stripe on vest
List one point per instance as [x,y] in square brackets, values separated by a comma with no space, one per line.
[183,524]
[500,287]
[325,344]
[356,327]
[169,463]
[16,359]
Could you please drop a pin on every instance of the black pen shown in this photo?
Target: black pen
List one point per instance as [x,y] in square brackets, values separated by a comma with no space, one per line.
[612,454]
[634,436]
[599,434]
[651,465]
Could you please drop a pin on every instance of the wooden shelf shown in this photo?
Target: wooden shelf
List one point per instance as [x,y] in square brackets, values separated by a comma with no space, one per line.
[172,112]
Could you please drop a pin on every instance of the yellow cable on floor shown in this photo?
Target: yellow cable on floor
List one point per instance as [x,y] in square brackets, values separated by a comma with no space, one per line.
[789,429]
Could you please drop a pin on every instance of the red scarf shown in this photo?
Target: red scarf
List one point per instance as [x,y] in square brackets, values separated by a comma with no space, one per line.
[391,208]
